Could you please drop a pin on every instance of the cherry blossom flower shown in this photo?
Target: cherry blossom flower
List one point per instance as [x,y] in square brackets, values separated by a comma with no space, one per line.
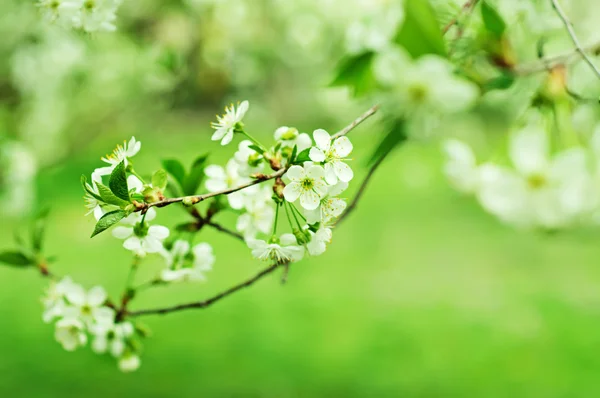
[332,153]
[228,122]
[306,183]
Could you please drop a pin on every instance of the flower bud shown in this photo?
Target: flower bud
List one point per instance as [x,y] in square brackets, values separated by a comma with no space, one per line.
[188,201]
[302,237]
[290,134]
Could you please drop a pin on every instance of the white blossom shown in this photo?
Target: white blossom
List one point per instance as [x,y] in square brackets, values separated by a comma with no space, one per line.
[219,178]
[249,161]
[200,259]
[70,333]
[140,237]
[330,206]
[290,137]
[120,154]
[111,337]
[286,248]
[88,306]
[54,299]
[542,190]
[227,123]
[88,15]
[332,153]
[259,213]
[129,362]
[461,166]
[306,183]
[319,241]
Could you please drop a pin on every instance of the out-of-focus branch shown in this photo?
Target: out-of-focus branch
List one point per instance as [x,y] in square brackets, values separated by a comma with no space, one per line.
[550,62]
[469,5]
[569,26]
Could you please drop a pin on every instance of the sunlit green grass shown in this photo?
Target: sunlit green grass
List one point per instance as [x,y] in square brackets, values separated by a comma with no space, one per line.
[421,294]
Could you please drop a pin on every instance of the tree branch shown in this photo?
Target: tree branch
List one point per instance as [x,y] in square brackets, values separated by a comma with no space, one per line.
[225,230]
[573,35]
[466,7]
[193,199]
[551,62]
[271,268]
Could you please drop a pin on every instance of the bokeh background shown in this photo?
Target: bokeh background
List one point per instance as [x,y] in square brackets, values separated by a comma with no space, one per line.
[421,293]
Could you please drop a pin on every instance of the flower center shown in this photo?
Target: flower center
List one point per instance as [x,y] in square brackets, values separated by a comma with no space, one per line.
[140,229]
[86,310]
[89,5]
[536,181]
[417,93]
[307,184]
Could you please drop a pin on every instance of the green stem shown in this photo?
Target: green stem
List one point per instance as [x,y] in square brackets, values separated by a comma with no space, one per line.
[295,216]
[131,274]
[276,219]
[287,213]
[132,171]
[298,212]
[254,140]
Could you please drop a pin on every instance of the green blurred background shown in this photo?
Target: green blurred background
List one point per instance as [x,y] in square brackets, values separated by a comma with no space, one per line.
[421,294]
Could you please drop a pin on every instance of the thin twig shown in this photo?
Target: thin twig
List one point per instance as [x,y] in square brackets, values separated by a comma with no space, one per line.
[225,230]
[468,5]
[570,29]
[206,303]
[357,121]
[362,188]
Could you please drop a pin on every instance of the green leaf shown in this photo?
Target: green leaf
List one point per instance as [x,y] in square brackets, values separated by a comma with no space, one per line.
[493,22]
[176,169]
[107,196]
[118,182]
[302,157]
[294,153]
[420,33]
[159,179]
[194,178]
[501,82]
[38,228]
[108,220]
[86,188]
[395,136]
[16,258]
[356,72]
[256,148]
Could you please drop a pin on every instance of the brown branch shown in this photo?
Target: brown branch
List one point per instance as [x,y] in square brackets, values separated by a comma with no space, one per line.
[549,63]
[361,190]
[357,121]
[225,230]
[271,268]
[206,303]
[571,31]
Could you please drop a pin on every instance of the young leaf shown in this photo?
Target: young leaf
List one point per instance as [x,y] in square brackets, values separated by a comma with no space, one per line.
[159,179]
[86,188]
[501,82]
[107,196]
[420,33]
[256,148]
[395,137]
[176,169]
[302,157]
[15,258]
[294,153]
[108,220]
[493,22]
[118,182]
[356,72]
[195,177]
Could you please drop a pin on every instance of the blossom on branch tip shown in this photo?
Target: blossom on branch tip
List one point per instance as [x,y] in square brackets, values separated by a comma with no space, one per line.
[120,154]
[306,183]
[140,237]
[229,122]
[332,153]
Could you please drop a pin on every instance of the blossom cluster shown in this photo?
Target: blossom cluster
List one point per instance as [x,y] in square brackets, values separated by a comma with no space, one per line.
[538,187]
[316,174]
[81,315]
[87,15]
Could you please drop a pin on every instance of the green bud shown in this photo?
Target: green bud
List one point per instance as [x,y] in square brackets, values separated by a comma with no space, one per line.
[302,237]
[140,229]
[187,202]
[290,134]
[255,159]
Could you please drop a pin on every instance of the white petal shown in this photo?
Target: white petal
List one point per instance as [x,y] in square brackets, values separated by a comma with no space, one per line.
[322,139]
[117,347]
[309,200]
[295,173]
[288,239]
[215,171]
[316,155]
[76,295]
[343,171]
[236,200]
[134,244]
[313,216]
[242,109]
[96,296]
[338,188]
[122,232]
[228,137]
[342,147]
[215,185]
[529,150]
[100,344]
[330,175]
[303,142]
[158,232]
[219,134]
[315,172]
[292,191]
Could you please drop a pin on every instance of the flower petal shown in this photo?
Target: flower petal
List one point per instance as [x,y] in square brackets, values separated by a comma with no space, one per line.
[323,139]
[122,232]
[342,147]
[158,232]
[295,173]
[330,175]
[343,171]
[309,200]
[96,296]
[292,191]
[529,150]
[316,155]
[228,137]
